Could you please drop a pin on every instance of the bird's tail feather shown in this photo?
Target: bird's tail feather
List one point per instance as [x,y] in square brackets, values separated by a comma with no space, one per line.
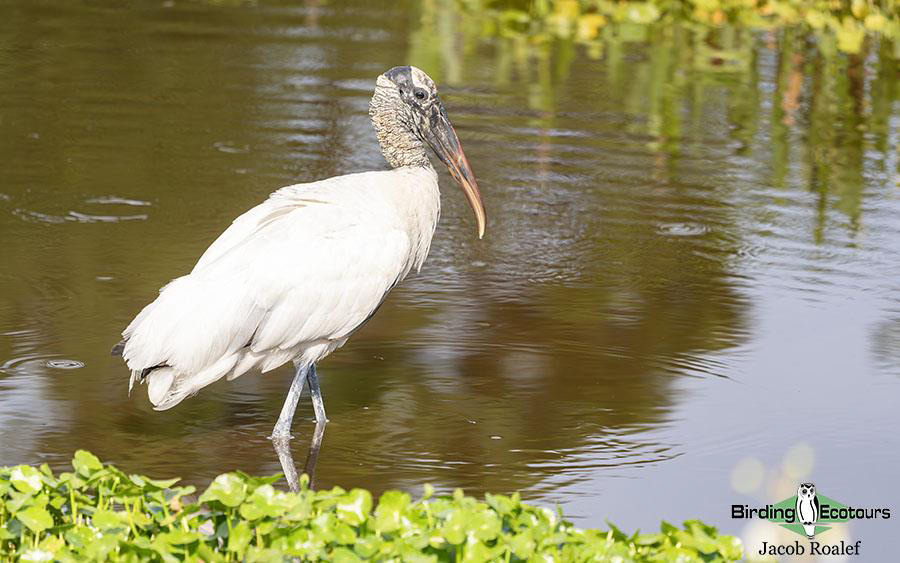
[166,387]
[159,382]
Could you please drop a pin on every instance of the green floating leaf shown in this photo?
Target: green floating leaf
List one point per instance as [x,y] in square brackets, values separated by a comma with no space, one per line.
[18,500]
[484,525]
[344,555]
[228,488]
[390,506]
[454,528]
[344,534]
[302,543]
[256,554]
[100,549]
[151,484]
[522,544]
[52,544]
[106,519]
[501,503]
[323,527]
[81,536]
[478,551]
[35,518]
[179,537]
[265,502]
[36,555]
[253,481]
[649,539]
[730,547]
[354,507]
[85,463]
[26,479]
[366,547]
[666,528]
[239,537]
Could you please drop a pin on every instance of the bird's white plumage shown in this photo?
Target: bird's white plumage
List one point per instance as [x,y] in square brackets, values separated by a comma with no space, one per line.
[290,279]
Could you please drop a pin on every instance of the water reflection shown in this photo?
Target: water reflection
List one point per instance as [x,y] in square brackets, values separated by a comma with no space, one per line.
[289,467]
[680,251]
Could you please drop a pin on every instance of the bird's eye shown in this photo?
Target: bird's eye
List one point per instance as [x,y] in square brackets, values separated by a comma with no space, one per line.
[420,94]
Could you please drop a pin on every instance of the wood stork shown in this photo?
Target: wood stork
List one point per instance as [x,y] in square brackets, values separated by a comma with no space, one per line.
[294,277]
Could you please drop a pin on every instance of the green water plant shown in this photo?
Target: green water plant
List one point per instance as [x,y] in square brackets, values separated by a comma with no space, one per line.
[844,23]
[97,512]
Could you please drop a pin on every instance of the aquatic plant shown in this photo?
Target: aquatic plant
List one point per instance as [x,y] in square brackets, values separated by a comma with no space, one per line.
[591,21]
[97,512]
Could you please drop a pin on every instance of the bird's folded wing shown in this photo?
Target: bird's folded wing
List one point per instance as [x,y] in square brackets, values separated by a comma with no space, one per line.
[290,271]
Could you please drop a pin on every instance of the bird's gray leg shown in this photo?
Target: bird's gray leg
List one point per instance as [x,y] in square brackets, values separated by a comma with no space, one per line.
[283,449]
[313,456]
[281,434]
[282,430]
[316,395]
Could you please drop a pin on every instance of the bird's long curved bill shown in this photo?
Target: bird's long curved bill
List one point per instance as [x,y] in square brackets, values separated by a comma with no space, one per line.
[442,138]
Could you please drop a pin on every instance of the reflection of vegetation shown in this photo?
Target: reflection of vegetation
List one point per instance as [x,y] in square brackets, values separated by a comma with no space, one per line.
[99,513]
[664,70]
[594,21]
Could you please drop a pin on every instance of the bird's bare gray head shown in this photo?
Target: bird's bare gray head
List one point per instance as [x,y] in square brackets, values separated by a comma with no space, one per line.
[408,117]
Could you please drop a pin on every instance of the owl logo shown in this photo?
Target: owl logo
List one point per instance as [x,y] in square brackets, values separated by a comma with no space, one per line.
[807,508]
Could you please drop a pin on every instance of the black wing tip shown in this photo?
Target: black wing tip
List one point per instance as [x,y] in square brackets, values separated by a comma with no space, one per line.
[118,348]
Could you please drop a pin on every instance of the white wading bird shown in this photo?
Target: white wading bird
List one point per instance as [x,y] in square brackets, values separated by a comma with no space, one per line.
[292,278]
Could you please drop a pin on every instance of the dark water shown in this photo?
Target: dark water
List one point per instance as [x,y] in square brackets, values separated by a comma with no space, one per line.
[687,296]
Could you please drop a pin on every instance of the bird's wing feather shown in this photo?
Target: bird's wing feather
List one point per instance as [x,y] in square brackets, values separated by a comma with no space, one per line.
[242,228]
[308,264]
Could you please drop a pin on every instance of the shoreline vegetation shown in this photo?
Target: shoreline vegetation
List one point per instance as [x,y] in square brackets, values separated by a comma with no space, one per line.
[97,512]
[659,62]
[834,25]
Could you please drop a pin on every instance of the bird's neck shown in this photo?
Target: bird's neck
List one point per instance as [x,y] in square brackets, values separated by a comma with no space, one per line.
[399,144]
